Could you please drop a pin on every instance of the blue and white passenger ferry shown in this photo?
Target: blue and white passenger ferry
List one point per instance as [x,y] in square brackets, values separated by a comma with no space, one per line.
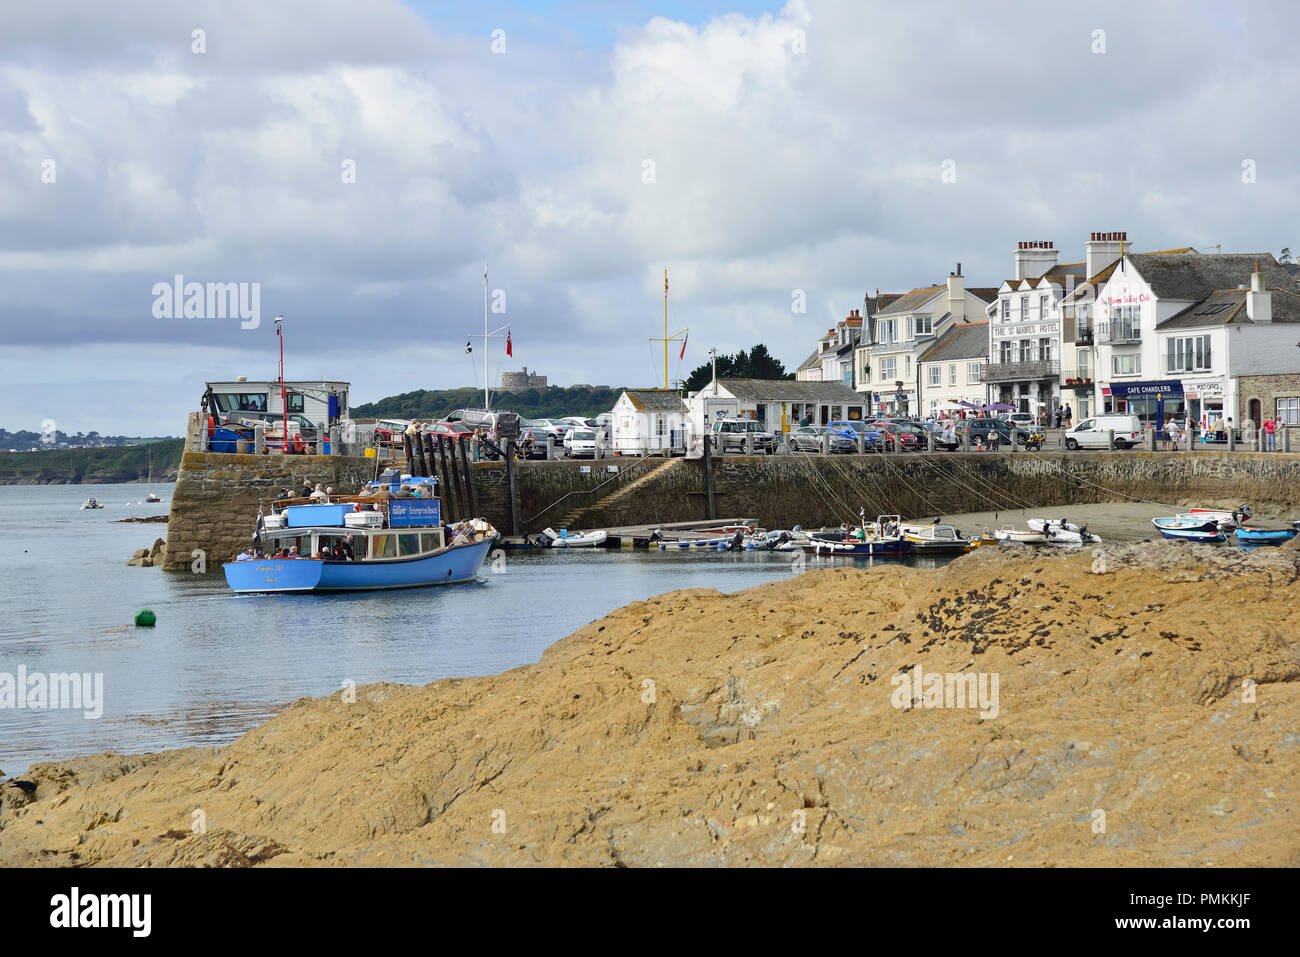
[389,536]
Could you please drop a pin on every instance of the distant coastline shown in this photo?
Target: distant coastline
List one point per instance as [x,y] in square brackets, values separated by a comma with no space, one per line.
[93,466]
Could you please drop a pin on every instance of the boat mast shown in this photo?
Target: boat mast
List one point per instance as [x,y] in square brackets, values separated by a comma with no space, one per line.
[486,406]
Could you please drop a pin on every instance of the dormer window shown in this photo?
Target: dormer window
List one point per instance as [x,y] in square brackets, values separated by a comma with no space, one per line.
[923,325]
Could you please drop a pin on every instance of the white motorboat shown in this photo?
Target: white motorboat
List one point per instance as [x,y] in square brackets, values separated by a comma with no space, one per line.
[550,538]
[91,503]
[1061,532]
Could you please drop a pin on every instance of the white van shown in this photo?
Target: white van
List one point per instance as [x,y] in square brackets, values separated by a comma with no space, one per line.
[1092,433]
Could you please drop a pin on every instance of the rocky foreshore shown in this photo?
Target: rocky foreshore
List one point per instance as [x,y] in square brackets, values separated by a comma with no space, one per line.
[1130,708]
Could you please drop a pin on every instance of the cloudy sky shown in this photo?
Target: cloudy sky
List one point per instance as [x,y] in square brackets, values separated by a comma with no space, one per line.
[360,162]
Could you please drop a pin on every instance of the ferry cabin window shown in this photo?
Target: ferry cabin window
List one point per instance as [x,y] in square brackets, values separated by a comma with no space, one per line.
[408,545]
[383,546]
[295,402]
[430,542]
[240,402]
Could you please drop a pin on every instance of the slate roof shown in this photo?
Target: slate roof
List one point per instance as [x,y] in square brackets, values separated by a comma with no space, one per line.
[911,301]
[655,400]
[1225,306]
[966,340]
[814,361]
[1195,276]
[786,390]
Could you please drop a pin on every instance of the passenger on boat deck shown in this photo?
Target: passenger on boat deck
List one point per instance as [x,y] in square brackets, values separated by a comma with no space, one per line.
[346,546]
[293,552]
[306,489]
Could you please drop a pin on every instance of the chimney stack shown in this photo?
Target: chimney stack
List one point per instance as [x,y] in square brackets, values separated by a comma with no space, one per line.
[956,296]
[1104,249]
[1259,301]
[1034,258]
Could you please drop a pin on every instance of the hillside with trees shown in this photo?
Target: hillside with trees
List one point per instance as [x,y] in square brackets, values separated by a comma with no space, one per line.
[98,465]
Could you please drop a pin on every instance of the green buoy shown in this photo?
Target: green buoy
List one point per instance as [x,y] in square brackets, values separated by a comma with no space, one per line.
[145,618]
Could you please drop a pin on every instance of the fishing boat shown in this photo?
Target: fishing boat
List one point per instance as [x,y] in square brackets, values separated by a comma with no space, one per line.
[882,538]
[1020,536]
[1266,536]
[1190,529]
[393,543]
[937,538]
[91,503]
[550,538]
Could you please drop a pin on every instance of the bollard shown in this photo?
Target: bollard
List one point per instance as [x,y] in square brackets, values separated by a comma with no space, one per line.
[788,441]
[1110,439]
[1286,439]
[1149,440]
[749,443]
[929,441]
[550,448]
[862,443]
[259,438]
[1232,440]
[826,443]
[964,438]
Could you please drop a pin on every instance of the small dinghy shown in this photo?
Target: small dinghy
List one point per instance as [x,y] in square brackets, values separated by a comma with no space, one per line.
[550,538]
[1190,529]
[1009,533]
[1226,518]
[1266,536]
[91,503]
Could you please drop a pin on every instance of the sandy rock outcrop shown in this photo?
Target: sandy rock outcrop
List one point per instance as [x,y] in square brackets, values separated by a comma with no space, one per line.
[1147,713]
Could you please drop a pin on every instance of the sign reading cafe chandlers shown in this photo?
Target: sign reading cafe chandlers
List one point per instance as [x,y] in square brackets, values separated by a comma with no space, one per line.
[1148,389]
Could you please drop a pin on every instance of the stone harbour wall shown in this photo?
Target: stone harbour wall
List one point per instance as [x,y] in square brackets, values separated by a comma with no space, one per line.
[216,497]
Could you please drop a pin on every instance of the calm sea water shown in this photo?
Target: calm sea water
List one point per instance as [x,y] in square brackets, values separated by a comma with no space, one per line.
[216,664]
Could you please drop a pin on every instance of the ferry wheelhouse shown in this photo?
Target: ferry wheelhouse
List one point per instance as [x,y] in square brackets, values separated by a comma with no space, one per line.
[390,536]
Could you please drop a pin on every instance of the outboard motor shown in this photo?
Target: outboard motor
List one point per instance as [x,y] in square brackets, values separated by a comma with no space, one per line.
[737,542]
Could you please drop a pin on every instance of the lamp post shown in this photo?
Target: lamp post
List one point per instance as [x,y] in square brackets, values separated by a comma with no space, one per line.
[284,399]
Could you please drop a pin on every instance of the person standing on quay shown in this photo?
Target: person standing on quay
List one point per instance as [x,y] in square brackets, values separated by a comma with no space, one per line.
[1270,435]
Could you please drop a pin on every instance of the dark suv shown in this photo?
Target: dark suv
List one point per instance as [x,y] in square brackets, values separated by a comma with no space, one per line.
[986,429]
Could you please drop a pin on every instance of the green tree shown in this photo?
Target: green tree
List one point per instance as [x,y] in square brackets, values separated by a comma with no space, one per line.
[757,363]
[1284,257]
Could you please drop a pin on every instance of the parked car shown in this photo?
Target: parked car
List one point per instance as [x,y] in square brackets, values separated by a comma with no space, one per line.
[497,424]
[548,427]
[872,441]
[580,443]
[731,433]
[1023,420]
[993,431]
[808,438]
[893,437]
[390,430]
[1094,433]
[536,449]
[449,430]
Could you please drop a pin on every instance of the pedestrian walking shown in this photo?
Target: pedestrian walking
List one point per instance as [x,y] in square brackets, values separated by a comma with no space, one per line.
[1068,415]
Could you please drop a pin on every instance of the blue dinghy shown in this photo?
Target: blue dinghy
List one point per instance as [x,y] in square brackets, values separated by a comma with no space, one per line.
[1265,536]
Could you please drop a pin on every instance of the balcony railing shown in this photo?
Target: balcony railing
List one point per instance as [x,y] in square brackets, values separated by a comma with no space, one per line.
[1033,369]
[1084,337]
[1117,332]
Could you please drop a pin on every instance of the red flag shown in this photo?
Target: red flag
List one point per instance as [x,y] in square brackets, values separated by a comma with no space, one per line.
[509,351]
[683,355]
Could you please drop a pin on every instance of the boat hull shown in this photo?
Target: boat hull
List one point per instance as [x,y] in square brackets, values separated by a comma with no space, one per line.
[459,563]
[1265,536]
[1190,530]
[888,548]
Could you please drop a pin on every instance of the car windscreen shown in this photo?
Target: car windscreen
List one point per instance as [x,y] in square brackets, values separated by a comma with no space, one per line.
[584,436]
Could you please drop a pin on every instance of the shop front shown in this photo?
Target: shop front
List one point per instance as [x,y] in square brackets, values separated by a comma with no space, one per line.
[1153,401]
[1205,400]
[893,403]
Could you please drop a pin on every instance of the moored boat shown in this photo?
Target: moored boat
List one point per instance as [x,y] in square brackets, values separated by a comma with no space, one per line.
[550,538]
[1020,536]
[1266,536]
[91,503]
[1190,529]
[1061,532]
[1226,518]
[881,538]
[319,547]
[937,537]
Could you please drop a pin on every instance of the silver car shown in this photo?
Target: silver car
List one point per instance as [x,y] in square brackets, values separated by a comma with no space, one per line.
[808,438]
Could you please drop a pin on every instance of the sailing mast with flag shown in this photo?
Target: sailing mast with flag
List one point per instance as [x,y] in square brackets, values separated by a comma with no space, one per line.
[683,335]
[494,334]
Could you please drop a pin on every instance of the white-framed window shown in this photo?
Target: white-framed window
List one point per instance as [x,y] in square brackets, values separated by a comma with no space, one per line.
[972,373]
[888,368]
[1006,308]
[1042,307]
[659,424]
[1083,361]
[1044,350]
[1288,410]
[1024,308]
[1126,364]
[935,375]
[923,325]
[885,331]
[907,365]
[1188,354]
[952,373]
[1007,351]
